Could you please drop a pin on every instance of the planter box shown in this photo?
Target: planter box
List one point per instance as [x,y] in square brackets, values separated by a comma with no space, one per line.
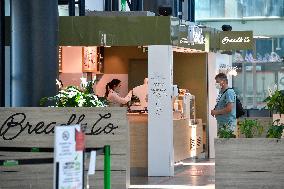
[249,163]
[32,127]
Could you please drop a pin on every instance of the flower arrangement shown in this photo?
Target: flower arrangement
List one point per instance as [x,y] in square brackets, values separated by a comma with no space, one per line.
[72,96]
[275,100]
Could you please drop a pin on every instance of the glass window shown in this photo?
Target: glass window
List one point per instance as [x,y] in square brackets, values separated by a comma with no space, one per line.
[238,8]
[258,71]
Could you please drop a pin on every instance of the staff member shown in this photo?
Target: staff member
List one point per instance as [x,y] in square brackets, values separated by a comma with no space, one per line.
[112,93]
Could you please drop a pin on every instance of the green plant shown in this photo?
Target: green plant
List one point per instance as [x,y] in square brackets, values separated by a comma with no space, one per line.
[275,101]
[250,128]
[225,132]
[275,130]
[72,96]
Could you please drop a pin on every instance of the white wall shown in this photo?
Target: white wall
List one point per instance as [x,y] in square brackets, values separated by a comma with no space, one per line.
[72,60]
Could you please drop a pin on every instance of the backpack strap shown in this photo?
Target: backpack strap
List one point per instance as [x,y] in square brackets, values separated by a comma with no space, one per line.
[222,95]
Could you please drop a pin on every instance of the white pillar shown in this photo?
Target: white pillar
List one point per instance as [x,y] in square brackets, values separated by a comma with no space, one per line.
[160,117]
[214,61]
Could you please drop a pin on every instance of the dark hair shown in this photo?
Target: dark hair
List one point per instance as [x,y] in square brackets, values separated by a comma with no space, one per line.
[111,85]
[222,76]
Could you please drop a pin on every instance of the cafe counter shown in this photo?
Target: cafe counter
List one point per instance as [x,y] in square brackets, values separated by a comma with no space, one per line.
[187,141]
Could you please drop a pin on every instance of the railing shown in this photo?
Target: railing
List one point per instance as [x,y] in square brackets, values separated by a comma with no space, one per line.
[36,161]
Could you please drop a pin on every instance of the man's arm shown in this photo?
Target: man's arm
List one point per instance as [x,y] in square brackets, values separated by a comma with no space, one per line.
[225,110]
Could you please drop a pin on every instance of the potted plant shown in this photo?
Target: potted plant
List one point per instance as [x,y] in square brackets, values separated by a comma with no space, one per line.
[225,132]
[275,103]
[73,96]
[250,128]
[275,130]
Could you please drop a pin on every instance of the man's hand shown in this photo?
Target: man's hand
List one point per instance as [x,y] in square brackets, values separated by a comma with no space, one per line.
[223,111]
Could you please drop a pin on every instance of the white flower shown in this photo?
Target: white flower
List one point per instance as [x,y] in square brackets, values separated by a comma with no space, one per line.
[270,92]
[93,102]
[59,84]
[95,97]
[81,101]
[94,79]
[275,87]
[84,82]
[71,94]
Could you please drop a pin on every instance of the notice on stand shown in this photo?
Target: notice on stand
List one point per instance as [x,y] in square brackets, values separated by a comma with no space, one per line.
[69,169]
[70,173]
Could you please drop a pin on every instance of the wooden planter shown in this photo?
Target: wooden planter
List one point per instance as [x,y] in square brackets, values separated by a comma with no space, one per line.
[249,163]
[32,128]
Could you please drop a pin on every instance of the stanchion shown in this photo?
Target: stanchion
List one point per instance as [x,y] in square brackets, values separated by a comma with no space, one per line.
[107,175]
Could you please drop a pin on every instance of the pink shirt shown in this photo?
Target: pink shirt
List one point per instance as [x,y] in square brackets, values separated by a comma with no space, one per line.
[116,100]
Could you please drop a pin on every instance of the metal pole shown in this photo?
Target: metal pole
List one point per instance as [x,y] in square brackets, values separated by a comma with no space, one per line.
[180,9]
[175,9]
[2,53]
[107,170]
[191,10]
[115,5]
[71,7]
[134,5]
[81,7]
[107,5]
[140,5]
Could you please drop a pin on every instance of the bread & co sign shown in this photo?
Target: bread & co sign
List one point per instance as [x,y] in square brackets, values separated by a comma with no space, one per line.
[236,40]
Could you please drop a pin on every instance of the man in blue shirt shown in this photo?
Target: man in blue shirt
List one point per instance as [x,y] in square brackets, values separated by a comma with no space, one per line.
[225,109]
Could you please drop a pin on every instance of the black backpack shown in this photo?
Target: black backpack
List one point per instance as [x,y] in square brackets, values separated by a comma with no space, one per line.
[239,107]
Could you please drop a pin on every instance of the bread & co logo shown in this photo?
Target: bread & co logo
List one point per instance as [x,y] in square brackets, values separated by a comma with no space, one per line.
[226,40]
[236,40]
[20,124]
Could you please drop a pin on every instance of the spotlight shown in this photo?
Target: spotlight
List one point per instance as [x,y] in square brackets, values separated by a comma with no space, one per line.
[165,10]
[227,28]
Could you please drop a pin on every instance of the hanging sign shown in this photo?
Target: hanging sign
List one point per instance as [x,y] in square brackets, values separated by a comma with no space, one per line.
[69,146]
[192,41]
[236,40]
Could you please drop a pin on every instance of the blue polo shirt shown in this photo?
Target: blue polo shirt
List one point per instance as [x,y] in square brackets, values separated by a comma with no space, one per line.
[230,118]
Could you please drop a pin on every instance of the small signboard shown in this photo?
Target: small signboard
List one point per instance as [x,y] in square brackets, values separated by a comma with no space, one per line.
[68,169]
[236,40]
[183,40]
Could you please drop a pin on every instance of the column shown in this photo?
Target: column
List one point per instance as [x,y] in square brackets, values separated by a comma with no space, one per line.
[2,53]
[34,50]
[160,111]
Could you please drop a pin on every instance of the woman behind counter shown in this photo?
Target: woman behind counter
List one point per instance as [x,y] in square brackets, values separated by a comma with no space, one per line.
[112,93]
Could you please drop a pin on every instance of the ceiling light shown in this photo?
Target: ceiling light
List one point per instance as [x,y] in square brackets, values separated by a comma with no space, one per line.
[261,37]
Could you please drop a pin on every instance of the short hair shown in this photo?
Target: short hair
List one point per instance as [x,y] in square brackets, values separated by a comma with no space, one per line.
[222,76]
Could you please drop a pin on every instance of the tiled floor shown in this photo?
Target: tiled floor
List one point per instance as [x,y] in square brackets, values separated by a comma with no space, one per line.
[191,173]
